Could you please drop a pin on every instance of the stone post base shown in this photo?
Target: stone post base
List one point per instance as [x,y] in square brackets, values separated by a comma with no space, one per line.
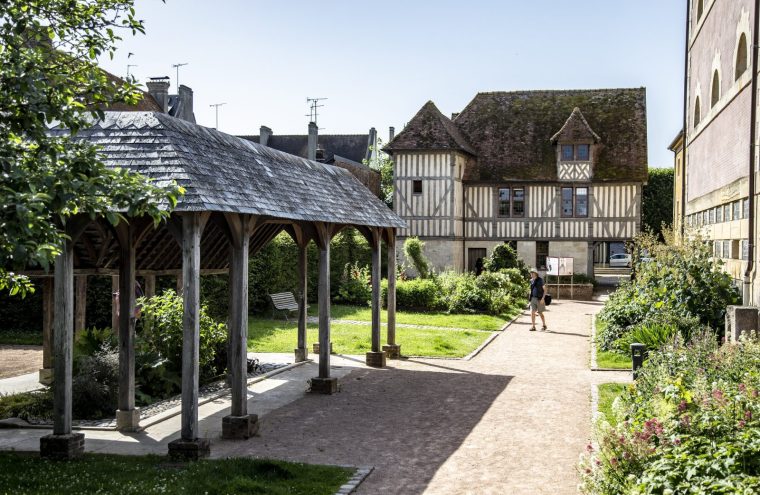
[324,385]
[46,376]
[393,351]
[189,450]
[128,420]
[301,354]
[68,446]
[315,348]
[376,359]
[235,427]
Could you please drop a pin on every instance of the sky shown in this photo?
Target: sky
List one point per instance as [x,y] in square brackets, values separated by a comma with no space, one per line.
[378,63]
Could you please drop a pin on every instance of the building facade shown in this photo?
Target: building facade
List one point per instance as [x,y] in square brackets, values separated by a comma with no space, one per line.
[716,179]
[553,173]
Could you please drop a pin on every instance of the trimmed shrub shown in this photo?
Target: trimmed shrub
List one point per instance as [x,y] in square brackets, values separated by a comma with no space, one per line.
[413,249]
[504,257]
[417,295]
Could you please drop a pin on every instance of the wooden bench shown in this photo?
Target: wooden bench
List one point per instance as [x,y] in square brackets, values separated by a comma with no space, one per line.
[284,301]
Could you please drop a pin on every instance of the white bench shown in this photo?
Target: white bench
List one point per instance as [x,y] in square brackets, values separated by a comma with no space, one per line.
[284,301]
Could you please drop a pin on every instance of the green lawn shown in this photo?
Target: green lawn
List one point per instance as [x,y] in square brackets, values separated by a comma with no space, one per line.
[608,392]
[95,473]
[608,359]
[433,319]
[16,337]
[265,335]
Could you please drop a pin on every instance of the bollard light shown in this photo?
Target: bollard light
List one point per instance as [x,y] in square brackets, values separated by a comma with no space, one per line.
[638,354]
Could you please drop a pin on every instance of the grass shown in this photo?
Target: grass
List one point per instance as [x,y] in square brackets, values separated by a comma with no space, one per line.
[609,359]
[97,473]
[608,392]
[17,337]
[265,335]
[433,318]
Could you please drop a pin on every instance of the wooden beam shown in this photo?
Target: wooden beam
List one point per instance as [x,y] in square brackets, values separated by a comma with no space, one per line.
[301,351]
[192,229]
[323,237]
[127,417]
[150,285]
[376,302]
[115,304]
[63,336]
[46,373]
[392,349]
[239,228]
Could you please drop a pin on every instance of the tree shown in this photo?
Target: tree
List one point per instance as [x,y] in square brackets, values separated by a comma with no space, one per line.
[504,257]
[657,201]
[49,77]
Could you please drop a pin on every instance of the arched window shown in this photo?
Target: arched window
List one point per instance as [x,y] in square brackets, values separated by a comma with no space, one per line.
[700,8]
[741,57]
[697,113]
[715,92]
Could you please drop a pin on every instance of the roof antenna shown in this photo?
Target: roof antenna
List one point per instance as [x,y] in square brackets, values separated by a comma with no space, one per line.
[313,106]
[177,66]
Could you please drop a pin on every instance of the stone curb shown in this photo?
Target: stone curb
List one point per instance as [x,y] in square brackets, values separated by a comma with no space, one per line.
[353,483]
[594,365]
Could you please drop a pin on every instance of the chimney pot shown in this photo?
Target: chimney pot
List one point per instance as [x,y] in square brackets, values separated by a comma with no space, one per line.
[158,88]
[264,134]
[312,143]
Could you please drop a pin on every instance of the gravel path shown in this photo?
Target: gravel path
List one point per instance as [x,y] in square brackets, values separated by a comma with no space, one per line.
[511,421]
[18,360]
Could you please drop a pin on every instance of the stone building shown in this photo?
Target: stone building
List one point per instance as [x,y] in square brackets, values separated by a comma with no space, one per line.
[715,181]
[554,173]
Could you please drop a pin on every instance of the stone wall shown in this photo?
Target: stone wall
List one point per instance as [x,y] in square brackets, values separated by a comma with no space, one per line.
[576,292]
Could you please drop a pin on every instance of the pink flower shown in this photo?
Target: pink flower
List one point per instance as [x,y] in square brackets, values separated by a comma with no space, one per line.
[717,395]
[748,415]
[754,394]
[614,462]
[686,420]
[682,406]
[626,455]
[677,441]
[742,387]
[589,448]
[598,462]
[742,423]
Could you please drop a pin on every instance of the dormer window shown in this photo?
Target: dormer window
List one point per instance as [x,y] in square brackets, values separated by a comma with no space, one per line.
[574,154]
[567,152]
[582,152]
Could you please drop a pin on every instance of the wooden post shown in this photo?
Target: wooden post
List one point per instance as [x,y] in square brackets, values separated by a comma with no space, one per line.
[46,373]
[63,334]
[115,304]
[63,443]
[150,286]
[189,445]
[127,417]
[180,283]
[301,351]
[324,384]
[376,357]
[80,314]
[239,424]
[392,349]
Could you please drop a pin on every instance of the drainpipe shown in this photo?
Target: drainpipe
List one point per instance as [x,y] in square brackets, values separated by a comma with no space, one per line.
[685,115]
[752,165]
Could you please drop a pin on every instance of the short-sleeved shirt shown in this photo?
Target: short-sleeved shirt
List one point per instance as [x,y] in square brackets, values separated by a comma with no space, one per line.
[537,288]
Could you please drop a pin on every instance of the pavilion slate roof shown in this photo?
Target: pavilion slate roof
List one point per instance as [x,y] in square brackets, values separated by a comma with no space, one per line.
[225,173]
[511,132]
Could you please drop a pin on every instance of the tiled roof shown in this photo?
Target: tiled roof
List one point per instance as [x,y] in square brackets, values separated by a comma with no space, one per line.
[431,130]
[227,174]
[510,133]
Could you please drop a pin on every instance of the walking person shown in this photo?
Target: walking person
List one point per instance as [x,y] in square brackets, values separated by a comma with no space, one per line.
[537,294]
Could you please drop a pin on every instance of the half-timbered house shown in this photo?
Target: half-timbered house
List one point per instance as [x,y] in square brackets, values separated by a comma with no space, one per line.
[554,173]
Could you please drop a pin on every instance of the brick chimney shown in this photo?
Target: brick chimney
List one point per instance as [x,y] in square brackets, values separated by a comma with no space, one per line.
[371,144]
[313,136]
[158,88]
[264,134]
[391,133]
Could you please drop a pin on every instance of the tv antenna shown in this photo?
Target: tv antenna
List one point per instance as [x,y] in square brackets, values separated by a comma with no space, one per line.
[177,66]
[216,109]
[314,105]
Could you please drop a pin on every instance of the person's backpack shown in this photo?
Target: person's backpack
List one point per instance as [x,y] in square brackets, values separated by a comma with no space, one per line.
[547,299]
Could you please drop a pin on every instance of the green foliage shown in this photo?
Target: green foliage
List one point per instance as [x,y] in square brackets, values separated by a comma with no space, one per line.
[95,385]
[682,285]
[159,347]
[91,340]
[690,424]
[657,201]
[27,405]
[138,475]
[504,257]
[355,285]
[491,292]
[417,294]
[414,250]
[48,74]
[651,334]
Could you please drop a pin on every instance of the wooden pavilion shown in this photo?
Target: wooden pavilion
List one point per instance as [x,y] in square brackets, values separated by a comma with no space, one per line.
[239,196]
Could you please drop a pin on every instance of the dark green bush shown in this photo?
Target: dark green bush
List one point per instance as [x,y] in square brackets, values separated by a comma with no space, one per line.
[95,384]
[27,405]
[503,257]
[417,295]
